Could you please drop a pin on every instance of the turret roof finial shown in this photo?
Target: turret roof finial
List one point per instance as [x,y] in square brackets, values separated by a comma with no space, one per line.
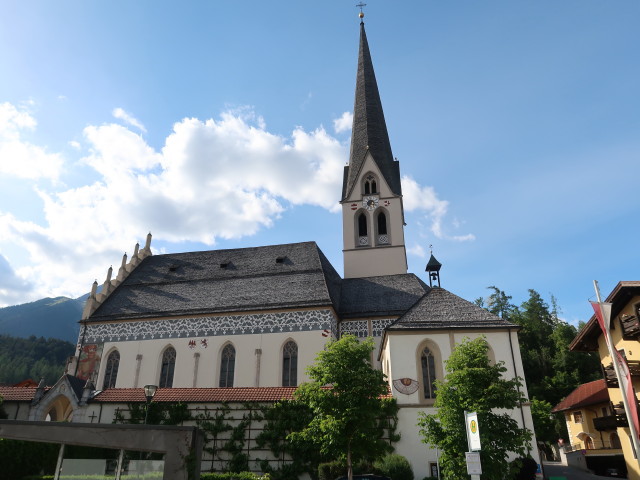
[361,14]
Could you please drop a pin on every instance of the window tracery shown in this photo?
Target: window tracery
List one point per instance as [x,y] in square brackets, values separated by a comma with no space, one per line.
[111,370]
[290,364]
[167,368]
[227,366]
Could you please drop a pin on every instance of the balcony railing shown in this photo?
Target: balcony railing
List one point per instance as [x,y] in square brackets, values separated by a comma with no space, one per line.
[596,444]
[609,375]
[630,326]
[610,423]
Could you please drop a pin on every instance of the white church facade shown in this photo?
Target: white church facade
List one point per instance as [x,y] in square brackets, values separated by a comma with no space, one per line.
[242,325]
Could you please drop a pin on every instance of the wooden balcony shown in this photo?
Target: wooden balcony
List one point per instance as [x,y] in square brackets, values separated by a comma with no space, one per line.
[630,326]
[610,423]
[609,375]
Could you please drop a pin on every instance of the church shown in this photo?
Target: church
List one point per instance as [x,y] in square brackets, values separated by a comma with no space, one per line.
[242,325]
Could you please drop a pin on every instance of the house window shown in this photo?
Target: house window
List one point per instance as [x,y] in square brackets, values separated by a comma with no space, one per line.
[111,371]
[227,366]
[168,366]
[290,365]
[577,417]
[428,373]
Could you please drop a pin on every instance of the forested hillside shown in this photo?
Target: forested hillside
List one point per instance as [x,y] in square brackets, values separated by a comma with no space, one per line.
[552,371]
[33,357]
[48,317]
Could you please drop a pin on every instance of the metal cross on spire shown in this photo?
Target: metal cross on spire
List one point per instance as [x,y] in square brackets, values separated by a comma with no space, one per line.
[360,5]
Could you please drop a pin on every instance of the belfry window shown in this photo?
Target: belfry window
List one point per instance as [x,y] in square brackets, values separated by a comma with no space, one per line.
[227,366]
[428,373]
[290,364]
[168,366]
[382,224]
[370,185]
[362,225]
[111,372]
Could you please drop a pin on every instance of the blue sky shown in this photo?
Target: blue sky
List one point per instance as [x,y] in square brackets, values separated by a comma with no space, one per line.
[224,124]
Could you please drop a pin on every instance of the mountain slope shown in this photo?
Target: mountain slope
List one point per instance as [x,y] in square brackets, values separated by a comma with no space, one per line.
[47,317]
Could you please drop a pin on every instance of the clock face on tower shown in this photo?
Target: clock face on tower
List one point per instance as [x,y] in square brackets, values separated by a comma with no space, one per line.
[370,203]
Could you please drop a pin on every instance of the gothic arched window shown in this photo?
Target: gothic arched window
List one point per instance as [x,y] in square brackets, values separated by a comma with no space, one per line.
[428,363]
[111,371]
[382,224]
[167,368]
[227,366]
[362,225]
[290,364]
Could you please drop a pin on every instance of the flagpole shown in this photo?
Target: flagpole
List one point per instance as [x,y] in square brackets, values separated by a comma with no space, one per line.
[616,367]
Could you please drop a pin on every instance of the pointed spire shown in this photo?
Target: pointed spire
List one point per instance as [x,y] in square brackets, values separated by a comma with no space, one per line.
[369,131]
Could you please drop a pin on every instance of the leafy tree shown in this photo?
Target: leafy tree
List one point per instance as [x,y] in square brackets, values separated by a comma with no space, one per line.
[472,383]
[345,398]
[33,357]
[552,371]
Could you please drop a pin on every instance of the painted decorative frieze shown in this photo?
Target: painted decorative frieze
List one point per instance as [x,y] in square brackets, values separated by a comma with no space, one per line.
[299,321]
[377,326]
[360,328]
[357,328]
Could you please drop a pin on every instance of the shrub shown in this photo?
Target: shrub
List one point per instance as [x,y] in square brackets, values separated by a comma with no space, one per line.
[395,466]
[524,468]
[331,470]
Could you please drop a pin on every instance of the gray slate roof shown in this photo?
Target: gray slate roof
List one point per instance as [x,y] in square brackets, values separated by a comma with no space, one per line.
[195,283]
[439,308]
[369,131]
[380,296]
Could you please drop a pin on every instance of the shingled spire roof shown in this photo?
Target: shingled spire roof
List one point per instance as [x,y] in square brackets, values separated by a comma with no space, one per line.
[369,131]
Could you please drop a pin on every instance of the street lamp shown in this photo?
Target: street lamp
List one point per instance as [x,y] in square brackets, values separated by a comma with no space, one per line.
[149,392]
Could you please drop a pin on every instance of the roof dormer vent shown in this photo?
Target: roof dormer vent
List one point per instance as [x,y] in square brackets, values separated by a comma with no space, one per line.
[173,268]
[281,260]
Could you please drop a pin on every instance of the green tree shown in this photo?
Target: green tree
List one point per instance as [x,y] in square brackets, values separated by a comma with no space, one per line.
[473,384]
[345,398]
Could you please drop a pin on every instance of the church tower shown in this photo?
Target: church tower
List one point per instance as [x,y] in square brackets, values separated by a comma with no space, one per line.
[372,211]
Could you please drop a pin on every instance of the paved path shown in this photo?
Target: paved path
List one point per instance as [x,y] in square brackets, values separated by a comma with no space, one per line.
[557,471]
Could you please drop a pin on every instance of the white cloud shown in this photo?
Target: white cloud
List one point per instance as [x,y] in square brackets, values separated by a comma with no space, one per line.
[417,251]
[224,178]
[343,123]
[18,157]
[129,119]
[417,198]
[11,285]
[75,145]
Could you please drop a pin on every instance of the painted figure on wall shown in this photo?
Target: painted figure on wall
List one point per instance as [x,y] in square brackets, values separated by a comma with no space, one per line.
[89,361]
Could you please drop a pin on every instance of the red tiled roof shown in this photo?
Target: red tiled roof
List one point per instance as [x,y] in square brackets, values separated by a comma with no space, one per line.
[586,394]
[17,394]
[204,395]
